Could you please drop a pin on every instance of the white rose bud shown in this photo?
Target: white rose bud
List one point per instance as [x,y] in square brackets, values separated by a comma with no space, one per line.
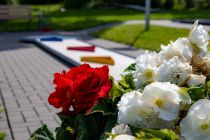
[195,80]
[198,36]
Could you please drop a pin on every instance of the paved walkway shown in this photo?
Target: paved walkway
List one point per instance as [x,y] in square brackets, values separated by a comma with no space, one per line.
[26,75]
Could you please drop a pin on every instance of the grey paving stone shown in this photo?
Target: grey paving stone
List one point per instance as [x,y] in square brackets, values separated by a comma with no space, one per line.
[26,75]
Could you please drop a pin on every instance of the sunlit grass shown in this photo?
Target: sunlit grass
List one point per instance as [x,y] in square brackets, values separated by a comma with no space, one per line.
[75,19]
[2,135]
[135,35]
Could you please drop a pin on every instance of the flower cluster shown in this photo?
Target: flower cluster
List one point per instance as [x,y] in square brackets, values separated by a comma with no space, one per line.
[161,81]
[185,61]
[164,95]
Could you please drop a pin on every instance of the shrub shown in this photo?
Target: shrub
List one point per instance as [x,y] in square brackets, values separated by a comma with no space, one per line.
[87,3]
[75,3]
[38,1]
[2,1]
[179,4]
[168,4]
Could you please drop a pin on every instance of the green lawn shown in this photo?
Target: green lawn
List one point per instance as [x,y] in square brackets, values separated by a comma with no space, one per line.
[136,36]
[2,135]
[83,18]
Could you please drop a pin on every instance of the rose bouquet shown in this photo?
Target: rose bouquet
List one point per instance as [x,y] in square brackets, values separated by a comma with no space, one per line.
[162,96]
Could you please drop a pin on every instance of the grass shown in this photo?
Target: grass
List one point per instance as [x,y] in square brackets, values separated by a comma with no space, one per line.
[75,19]
[136,36]
[2,135]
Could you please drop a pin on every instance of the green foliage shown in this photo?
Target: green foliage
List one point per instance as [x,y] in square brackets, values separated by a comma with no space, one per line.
[152,134]
[67,121]
[75,3]
[63,134]
[116,92]
[43,133]
[104,106]
[200,92]
[3,2]
[2,135]
[131,67]
[127,82]
[90,127]
[179,4]
[197,93]
[38,1]
[86,3]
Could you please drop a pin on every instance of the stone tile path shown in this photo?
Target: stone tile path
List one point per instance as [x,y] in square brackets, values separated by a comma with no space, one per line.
[26,75]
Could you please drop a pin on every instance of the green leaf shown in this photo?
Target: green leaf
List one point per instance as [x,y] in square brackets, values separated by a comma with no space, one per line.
[103,106]
[131,67]
[127,82]
[43,133]
[67,121]
[197,93]
[90,127]
[123,84]
[63,134]
[208,90]
[130,81]
[163,134]
[112,121]
[116,92]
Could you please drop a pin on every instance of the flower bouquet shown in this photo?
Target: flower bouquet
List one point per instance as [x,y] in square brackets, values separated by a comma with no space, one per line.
[162,96]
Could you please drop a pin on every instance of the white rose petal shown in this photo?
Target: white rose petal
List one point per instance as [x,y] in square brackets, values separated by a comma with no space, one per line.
[148,59]
[121,129]
[124,137]
[146,69]
[174,71]
[163,98]
[196,125]
[129,108]
[196,80]
[198,36]
[182,44]
[179,48]
[145,75]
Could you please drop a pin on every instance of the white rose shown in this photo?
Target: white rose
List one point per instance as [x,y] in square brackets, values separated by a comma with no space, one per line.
[196,125]
[198,36]
[146,69]
[174,71]
[129,108]
[196,80]
[163,98]
[179,48]
[145,75]
[148,59]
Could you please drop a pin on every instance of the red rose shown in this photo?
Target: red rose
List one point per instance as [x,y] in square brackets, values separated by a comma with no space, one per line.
[79,89]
